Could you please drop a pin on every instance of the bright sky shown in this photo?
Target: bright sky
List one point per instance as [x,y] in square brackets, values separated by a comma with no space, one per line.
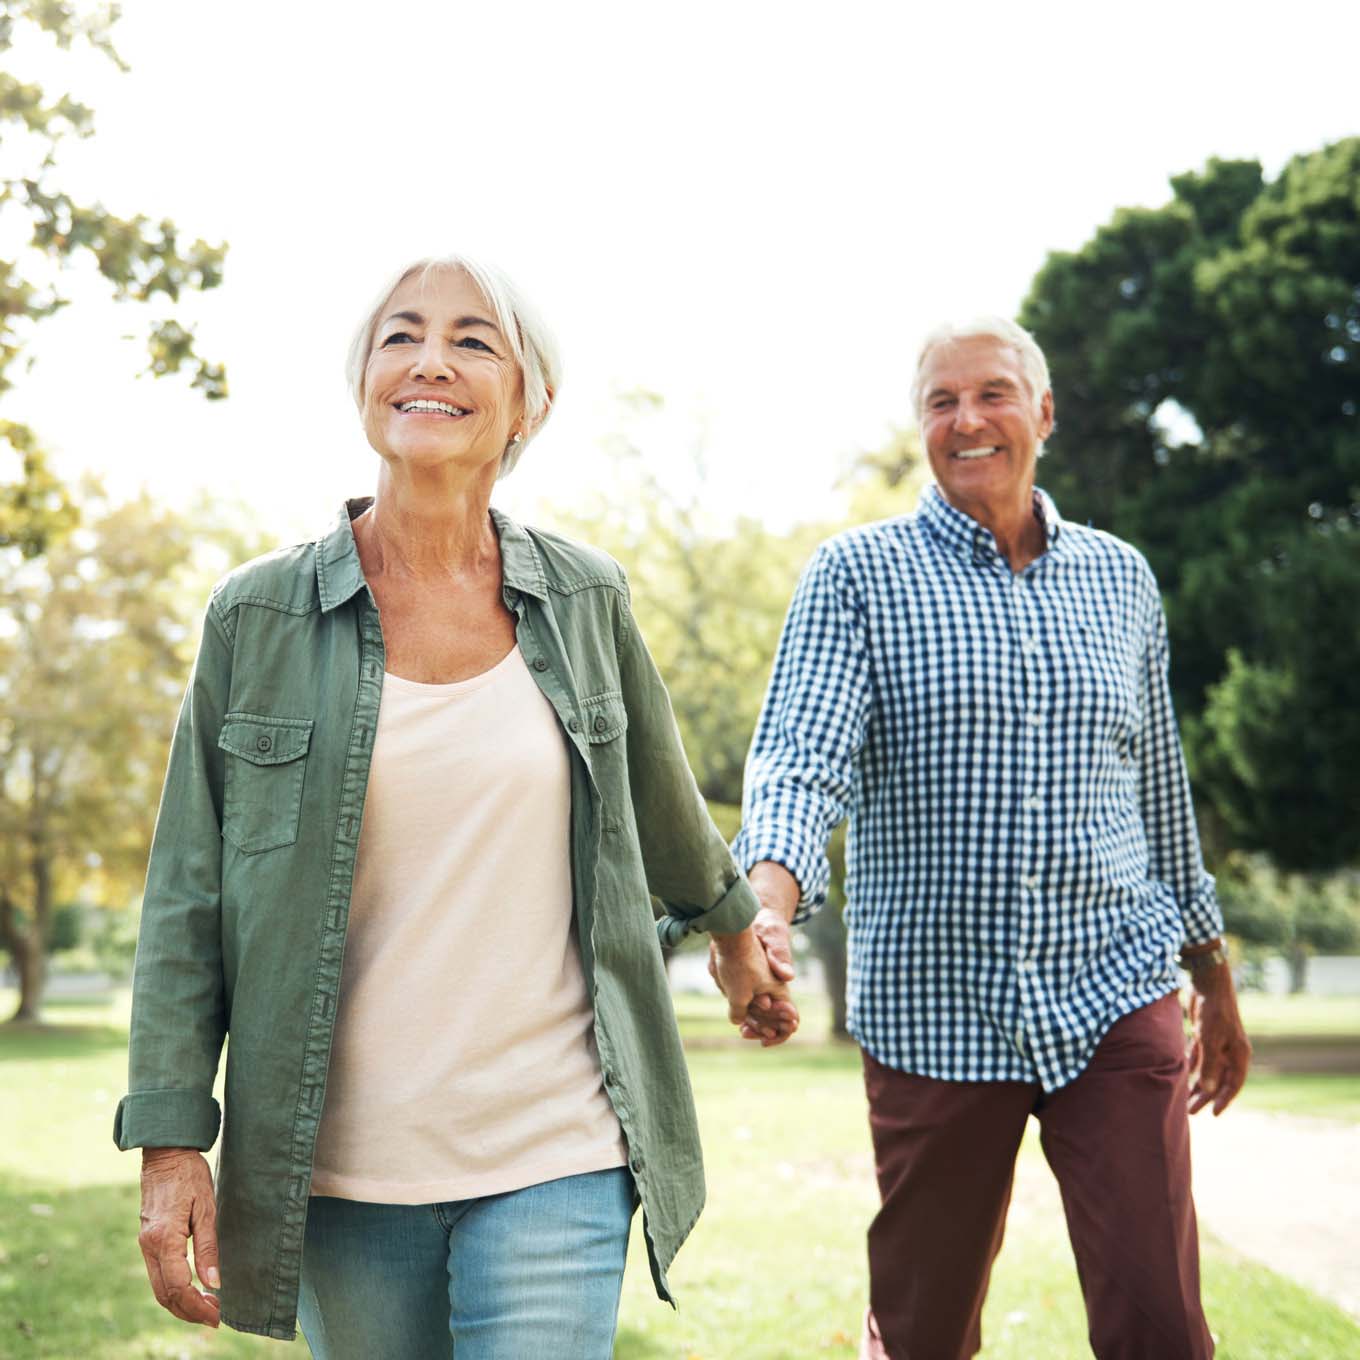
[754,209]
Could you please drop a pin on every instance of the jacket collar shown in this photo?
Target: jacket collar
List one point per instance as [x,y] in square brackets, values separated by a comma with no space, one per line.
[339,575]
[963,535]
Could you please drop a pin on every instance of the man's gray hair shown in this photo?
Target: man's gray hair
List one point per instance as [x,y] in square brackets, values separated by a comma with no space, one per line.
[1032,362]
[531,342]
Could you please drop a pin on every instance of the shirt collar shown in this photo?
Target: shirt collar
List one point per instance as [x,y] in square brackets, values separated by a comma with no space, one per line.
[962,534]
[339,574]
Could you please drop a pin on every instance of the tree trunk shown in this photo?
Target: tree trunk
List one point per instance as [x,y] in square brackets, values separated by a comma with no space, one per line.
[826,935]
[1298,970]
[30,959]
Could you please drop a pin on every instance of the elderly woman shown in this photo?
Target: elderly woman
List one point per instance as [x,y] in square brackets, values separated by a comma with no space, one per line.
[424,779]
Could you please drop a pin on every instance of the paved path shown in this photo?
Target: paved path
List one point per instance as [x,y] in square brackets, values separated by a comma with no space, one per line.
[1285,1191]
[1279,1189]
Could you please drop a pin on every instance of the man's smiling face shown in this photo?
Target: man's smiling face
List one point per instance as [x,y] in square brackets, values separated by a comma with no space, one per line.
[981,424]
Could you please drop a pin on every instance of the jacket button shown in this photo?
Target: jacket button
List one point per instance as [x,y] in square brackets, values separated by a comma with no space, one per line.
[635,1166]
[540,663]
[264,744]
[573,724]
[601,722]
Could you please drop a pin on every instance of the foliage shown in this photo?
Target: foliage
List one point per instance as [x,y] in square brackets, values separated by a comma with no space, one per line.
[140,259]
[1296,914]
[95,641]
[1205,358]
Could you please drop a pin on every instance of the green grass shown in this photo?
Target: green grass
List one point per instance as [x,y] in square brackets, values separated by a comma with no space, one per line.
[774,1271]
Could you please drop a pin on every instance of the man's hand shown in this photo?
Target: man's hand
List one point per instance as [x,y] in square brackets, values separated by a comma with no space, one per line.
[1220,1051]
[178,1203]
[755,981]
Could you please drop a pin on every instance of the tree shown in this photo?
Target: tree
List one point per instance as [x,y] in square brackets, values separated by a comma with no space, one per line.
[1298,914]
[96,638]
[710,594]
[1206,367]
[140,259]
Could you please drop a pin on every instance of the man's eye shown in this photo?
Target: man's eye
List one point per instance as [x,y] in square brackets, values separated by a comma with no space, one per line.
[397,336]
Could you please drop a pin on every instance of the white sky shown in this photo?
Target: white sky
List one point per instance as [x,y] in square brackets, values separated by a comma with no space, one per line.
[755,209]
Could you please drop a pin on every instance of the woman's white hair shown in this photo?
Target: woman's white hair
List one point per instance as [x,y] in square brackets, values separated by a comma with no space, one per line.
[531,342]
[1033,365]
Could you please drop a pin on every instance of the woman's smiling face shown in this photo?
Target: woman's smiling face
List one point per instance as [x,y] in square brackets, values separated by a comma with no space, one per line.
[441,383]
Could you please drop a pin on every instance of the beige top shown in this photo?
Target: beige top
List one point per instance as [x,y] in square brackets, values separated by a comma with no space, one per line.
[464,1059]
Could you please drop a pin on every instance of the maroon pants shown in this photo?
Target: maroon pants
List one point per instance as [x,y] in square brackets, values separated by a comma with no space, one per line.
[1118,1140]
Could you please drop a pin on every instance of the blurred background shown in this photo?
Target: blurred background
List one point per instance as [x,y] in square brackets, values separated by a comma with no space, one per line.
[741,219]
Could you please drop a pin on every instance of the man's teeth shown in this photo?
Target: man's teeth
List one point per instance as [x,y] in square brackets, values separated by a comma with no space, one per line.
[976,453]
[442,406]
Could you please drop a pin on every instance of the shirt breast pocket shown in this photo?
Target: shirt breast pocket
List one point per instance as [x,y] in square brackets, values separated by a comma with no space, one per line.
[265,768]
[606,727]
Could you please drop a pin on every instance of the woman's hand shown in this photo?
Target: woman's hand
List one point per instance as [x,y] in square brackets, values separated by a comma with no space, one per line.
[177,1204]
[753,969]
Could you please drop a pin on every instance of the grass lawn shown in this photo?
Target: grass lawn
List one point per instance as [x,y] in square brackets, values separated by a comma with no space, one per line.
[774,1271]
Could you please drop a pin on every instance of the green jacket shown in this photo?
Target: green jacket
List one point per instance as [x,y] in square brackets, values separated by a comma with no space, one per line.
[248,888]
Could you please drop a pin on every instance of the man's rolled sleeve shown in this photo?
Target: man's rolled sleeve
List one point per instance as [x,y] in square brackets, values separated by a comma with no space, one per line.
[178,991]
[800,770]
[1167,808]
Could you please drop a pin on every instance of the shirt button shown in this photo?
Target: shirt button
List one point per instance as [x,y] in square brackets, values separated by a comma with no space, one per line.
[540,663]
[1033,719]
[1031,881]
[573,724]
[1032,802]
[1026,965]
[601,722]
[1030,644]
[264,744]
[609,1077]
[635,1166]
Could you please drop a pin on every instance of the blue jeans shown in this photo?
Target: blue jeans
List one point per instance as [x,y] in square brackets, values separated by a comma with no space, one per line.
[534,1272]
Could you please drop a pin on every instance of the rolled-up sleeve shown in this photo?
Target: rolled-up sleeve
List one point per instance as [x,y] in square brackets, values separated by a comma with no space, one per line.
[179,1019]
[1167,809]
[800,770]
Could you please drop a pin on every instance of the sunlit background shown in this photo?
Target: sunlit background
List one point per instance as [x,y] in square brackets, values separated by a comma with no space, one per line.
[754,210]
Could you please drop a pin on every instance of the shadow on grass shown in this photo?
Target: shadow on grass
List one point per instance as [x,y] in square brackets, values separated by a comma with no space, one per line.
[21,1040]
[72,1282]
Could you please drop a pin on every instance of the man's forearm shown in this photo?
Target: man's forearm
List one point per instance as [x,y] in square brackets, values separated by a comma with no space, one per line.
[777,889]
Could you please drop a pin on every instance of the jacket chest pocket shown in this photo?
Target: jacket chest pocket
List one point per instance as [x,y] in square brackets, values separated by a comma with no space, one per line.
[606,726]
[265,768]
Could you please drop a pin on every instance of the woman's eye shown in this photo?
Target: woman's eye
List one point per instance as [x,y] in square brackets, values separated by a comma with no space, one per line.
[395,338]
[471,342]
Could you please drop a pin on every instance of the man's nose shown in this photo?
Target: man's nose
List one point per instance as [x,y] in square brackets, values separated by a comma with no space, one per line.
[968,416]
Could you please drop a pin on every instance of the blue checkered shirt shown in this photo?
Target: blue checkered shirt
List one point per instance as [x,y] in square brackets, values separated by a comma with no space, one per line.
[1022,859]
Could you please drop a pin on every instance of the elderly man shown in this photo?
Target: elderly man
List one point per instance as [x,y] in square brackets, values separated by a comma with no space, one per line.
[982,687]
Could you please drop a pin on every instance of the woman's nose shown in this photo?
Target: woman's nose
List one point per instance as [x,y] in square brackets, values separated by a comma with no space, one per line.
[430,361]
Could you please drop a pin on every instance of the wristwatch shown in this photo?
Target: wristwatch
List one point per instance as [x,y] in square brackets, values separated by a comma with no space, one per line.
[1205,959]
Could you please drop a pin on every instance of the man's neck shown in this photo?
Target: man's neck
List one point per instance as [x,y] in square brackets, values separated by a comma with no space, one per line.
[1019,533]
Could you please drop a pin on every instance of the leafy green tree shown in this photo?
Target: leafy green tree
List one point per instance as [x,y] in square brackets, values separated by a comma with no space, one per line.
[1206,367]
[141,259]
[96,637]
[1297,914]
[710,595]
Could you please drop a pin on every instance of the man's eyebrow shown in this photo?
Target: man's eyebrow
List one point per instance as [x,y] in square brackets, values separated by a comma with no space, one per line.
[1004,384]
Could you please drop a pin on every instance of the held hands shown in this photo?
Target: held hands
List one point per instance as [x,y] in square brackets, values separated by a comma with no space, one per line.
[753,970]
[1220,1051]
[178,1203]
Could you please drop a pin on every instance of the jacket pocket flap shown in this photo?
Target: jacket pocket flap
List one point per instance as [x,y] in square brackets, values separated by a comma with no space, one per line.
[605,717]
[263,740]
